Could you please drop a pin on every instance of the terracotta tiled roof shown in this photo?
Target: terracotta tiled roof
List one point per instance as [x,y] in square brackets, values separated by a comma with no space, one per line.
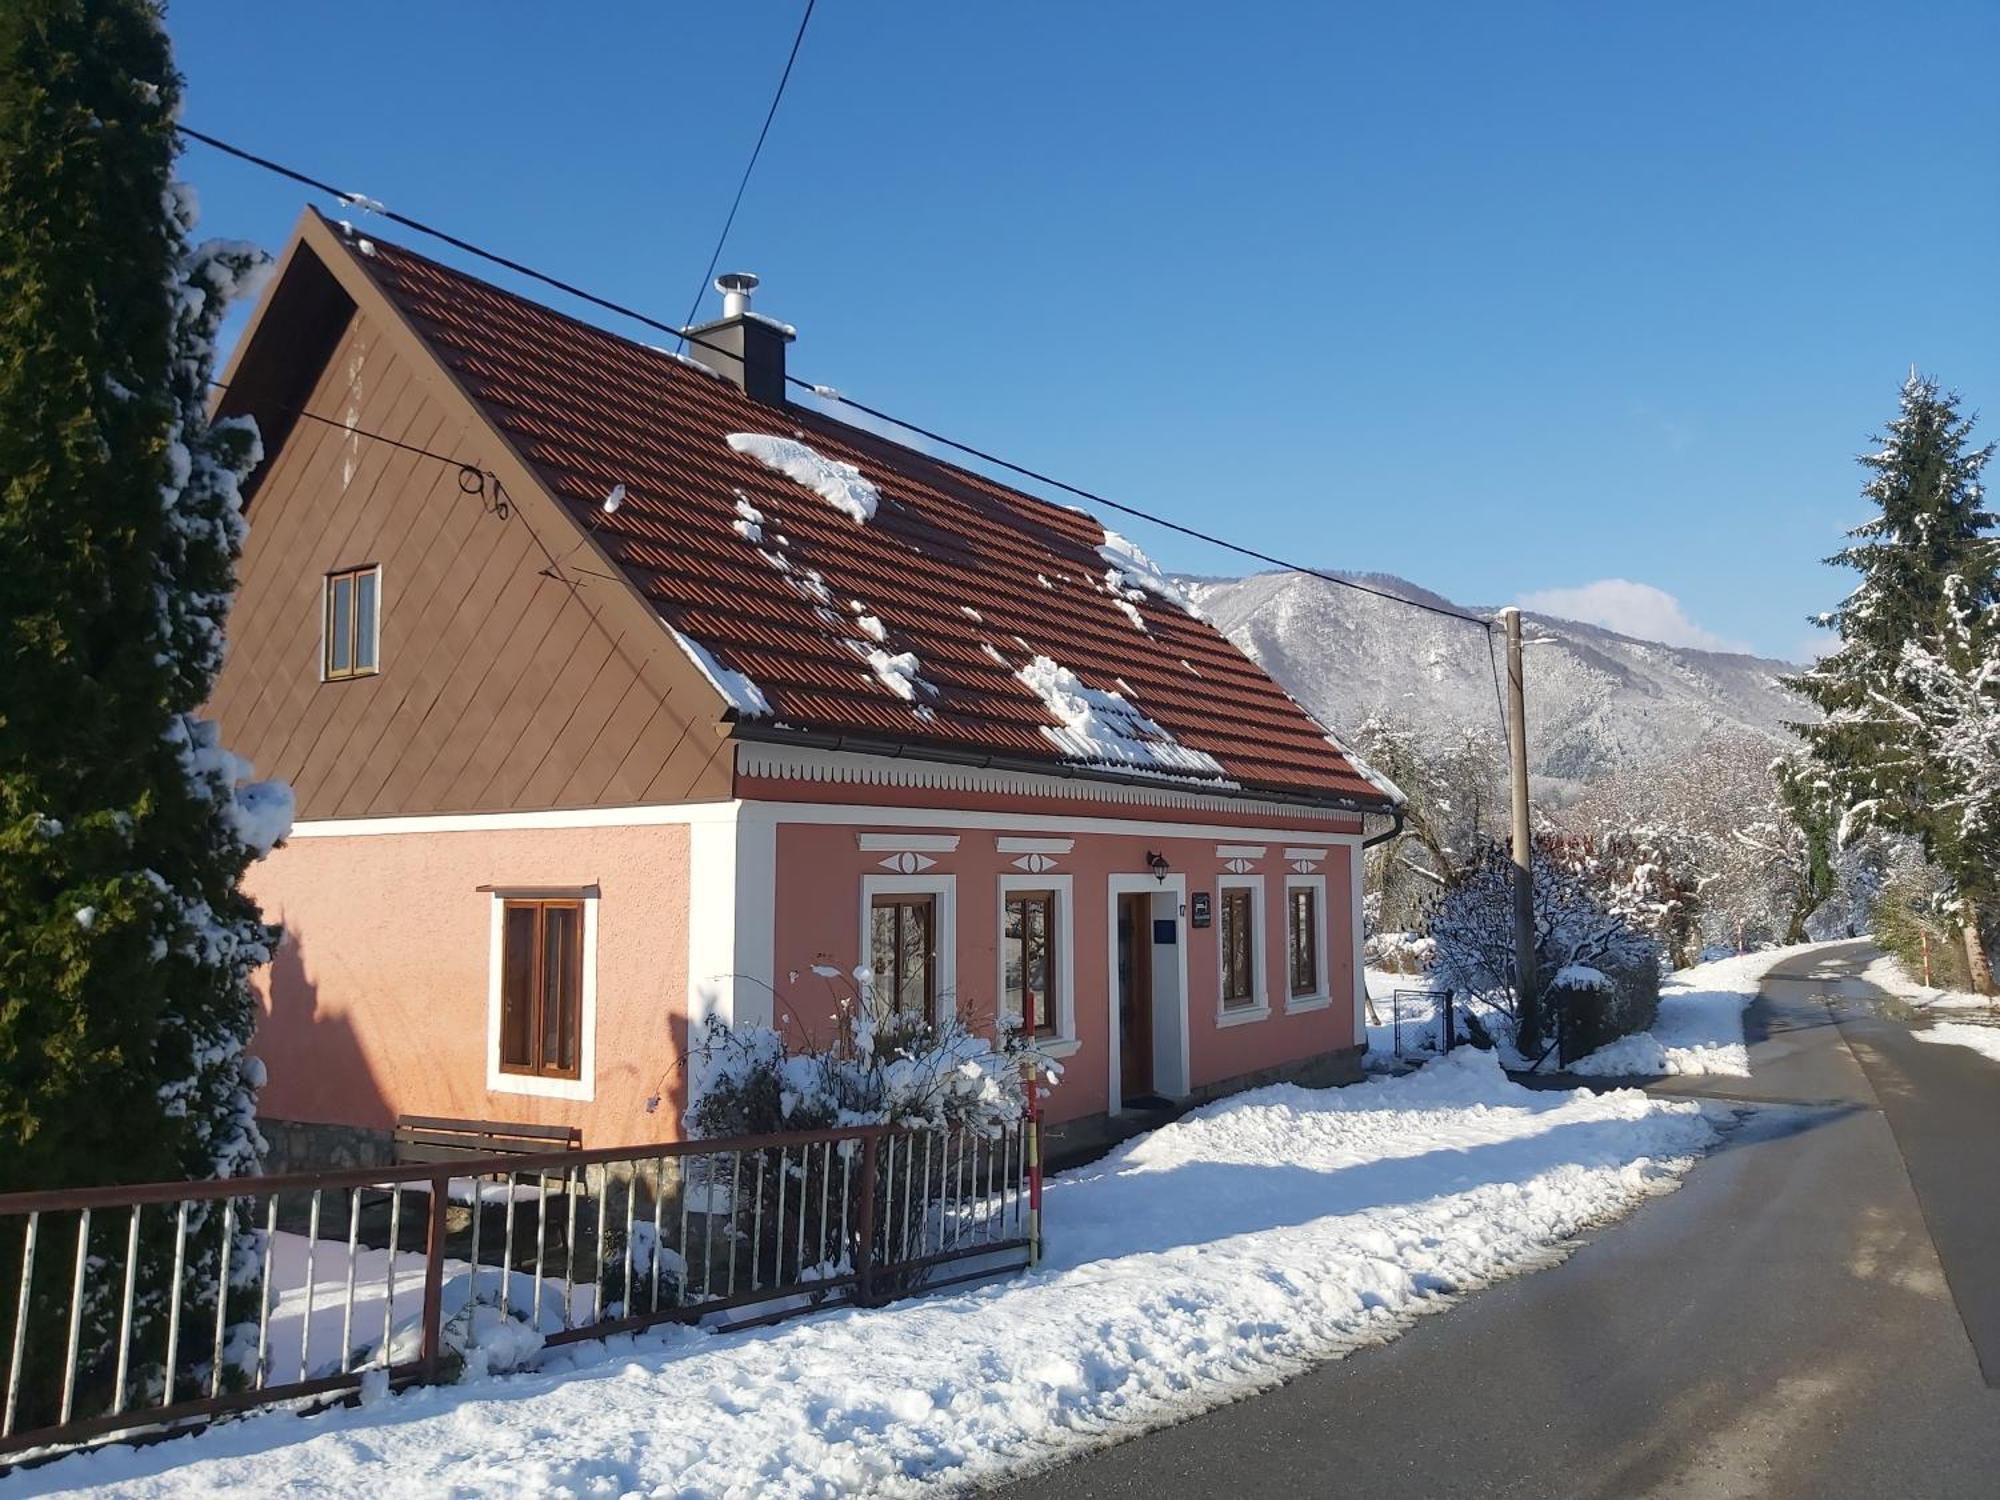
[588,409]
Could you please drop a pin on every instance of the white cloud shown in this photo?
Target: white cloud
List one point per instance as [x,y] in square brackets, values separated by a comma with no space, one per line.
[1634,609]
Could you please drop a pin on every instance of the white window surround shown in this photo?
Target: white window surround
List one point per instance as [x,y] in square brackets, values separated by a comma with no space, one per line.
[1260,991]
[1321,997]
[1062,962]
[944,889]
[1240,851]
[583,1086]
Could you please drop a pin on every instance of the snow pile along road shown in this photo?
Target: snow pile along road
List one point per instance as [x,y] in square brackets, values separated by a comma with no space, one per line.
[1212,1258]
[1886,972]
[1984,1040]
[1700,1025]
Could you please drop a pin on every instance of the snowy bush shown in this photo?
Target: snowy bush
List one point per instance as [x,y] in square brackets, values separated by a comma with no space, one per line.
[659,1273]
[878,1068]
[1472,924]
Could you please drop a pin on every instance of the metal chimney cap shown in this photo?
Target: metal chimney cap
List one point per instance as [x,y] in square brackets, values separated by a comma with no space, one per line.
[736,287]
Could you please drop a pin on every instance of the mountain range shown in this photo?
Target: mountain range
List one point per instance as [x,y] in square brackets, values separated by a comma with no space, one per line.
[1597,702]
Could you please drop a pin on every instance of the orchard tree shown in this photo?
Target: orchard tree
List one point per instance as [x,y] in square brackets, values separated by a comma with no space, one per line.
[1906,742]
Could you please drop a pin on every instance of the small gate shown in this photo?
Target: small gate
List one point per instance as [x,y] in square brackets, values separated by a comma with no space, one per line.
[1422,1022]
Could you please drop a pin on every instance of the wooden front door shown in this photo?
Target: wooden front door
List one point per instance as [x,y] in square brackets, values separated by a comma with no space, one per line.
[1135,995]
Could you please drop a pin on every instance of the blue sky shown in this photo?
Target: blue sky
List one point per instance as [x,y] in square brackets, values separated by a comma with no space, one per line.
[1506,299]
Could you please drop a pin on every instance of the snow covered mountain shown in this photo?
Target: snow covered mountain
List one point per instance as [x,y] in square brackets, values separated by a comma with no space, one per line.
[1598,702]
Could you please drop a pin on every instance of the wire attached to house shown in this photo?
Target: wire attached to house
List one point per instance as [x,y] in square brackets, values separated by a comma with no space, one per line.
[680,332]
[701,288]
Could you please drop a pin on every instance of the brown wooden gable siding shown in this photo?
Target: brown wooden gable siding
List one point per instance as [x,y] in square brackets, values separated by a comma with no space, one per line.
[500,688]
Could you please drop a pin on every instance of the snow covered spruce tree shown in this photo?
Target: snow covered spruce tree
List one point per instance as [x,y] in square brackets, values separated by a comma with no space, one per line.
[1910,741]
[125,944]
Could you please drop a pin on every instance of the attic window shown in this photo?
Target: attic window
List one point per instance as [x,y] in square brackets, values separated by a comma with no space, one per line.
[351,616]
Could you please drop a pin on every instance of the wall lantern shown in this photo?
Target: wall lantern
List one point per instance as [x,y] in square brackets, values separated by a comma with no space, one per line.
[1157,863]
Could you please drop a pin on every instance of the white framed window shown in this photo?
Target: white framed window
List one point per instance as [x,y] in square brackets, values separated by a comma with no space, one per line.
[351,624]
[541,999]
[909,940]
[1305,943]
[1242,989]
[1037,927]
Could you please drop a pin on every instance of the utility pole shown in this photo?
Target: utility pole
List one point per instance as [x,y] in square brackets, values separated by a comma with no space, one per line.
[1524,877]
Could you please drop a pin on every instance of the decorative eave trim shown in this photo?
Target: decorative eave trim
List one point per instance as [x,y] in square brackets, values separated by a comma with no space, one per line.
[761,760]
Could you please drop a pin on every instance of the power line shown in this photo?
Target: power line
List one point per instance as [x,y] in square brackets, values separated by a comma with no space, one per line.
[570,289]
[1162,521]
[701,289]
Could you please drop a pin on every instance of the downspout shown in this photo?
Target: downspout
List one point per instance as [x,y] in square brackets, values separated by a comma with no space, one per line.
[1388,833]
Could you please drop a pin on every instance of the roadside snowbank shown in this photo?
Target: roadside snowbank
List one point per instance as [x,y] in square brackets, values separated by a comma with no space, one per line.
[1885,972]
[1981,1039]
[1700,1025]
[1214,1257]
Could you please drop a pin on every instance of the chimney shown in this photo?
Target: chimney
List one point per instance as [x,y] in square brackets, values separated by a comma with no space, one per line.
[741,345]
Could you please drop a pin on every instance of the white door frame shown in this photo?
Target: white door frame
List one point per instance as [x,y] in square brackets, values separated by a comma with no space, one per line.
[1175,888]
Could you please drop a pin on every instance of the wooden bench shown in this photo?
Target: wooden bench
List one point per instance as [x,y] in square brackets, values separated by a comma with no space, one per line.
[425,1140]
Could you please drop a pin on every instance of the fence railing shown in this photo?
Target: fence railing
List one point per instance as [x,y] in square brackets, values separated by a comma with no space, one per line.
[139,1308]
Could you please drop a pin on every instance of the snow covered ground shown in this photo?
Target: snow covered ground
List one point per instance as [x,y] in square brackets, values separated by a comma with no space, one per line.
[1699,1028]
[1886,972]
[1207,1260]
[1981,1039]
[1700,1025]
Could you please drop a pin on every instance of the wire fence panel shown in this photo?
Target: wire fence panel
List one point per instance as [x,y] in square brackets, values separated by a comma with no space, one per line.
[143,1308]
[1422,1022]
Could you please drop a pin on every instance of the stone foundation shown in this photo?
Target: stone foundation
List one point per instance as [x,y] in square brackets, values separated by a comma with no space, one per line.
[303,1146]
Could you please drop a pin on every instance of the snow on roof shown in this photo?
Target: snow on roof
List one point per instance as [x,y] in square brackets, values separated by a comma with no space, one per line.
[739,691]
[897,672]
[1103,729]
[1139,574]
[688,361]
[1367,772]
[840,484]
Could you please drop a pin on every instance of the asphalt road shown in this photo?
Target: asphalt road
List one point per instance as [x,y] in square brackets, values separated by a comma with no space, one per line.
[1806,1317]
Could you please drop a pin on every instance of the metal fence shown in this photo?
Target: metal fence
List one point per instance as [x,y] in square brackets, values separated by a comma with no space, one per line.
[143,1308]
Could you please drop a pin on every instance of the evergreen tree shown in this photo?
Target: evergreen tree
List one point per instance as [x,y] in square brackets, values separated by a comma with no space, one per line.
[125,943]
[1916,638]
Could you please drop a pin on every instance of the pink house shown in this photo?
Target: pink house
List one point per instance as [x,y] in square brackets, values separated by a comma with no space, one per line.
[618,690]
